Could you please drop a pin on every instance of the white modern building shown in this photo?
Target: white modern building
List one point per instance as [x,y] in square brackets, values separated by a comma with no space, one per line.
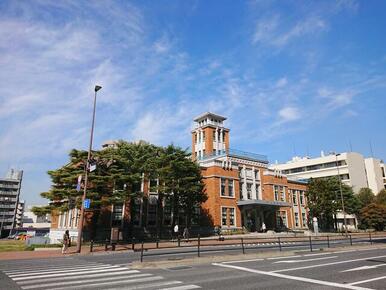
[375,170]
[31,220]
[353,168]
[10,211]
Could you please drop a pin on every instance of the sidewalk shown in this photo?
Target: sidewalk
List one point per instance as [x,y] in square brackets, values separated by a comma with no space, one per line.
[51,253]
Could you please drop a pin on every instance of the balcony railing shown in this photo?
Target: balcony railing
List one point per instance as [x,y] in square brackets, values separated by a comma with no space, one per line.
[236,153]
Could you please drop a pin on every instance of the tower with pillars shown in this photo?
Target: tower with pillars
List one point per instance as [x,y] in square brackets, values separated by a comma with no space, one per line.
[209,137]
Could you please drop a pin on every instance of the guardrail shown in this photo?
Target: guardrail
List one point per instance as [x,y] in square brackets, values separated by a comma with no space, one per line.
[247,244]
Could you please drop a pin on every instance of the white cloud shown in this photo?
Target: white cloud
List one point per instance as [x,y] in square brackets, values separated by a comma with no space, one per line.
[288,114]
[282,82]
[304,27]
[276,31]
[162,45]
[266,29]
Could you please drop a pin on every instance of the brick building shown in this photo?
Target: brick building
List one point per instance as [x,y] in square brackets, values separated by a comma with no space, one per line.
[242,191]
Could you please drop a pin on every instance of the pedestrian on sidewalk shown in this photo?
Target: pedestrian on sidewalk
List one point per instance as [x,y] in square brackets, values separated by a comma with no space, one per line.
[186,234]
[176,231]
[263,227]
[66,241]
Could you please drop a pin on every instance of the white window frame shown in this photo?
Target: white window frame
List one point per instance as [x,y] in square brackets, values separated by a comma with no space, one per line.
[225,186]
[298,220]
[233,188]
[228,216]
[276,193]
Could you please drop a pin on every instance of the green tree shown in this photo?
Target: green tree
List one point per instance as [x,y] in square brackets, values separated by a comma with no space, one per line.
[180,184]
[324,200]
[374,216]
[381,197]
[118,176]
[365,196]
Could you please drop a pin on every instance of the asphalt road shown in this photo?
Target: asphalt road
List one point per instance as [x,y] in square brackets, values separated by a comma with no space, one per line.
[349,269]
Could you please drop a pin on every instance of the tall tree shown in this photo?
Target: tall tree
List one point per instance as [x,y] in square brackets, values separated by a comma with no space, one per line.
[373,216]
[381,197]
[118,176]
[324,200]
[365,196]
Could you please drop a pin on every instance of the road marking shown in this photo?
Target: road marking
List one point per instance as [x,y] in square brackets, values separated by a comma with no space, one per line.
[242,261]
[369,280]
[48,267]
[166,283]
[59,270]
[364,268]
[302,279]
[123,272]
[284,257]
[123,281]
[321,254]
[348,251]
[184,287]
[307,260]
[67,274]
[327,264]
[71,283]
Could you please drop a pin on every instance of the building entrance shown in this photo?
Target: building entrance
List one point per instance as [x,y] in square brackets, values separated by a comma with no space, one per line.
[254,217]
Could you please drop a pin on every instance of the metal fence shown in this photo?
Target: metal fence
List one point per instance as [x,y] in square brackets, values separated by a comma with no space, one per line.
[251,244]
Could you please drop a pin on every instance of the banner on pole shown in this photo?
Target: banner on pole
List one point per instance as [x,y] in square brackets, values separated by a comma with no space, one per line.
[78,185]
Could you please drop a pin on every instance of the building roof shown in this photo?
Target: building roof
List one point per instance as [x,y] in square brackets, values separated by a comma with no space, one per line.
[209,114]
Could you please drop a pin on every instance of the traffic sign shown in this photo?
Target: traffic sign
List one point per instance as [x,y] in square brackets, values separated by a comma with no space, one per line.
[86,203]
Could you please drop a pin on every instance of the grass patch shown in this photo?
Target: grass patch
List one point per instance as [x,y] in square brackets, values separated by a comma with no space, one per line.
[12,245]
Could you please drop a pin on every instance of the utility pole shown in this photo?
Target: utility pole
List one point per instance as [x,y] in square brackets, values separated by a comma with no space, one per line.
[81,218]
[341,194]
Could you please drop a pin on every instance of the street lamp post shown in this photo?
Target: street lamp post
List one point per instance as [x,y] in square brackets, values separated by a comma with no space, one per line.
[81,218]
[2,219]
[341,194]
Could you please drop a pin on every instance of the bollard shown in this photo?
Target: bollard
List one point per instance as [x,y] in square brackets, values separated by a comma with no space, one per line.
[133,243]
[106,244]
[350,240]
[371,241]
[328,241]
[91,245]
[242,245]
[279,244]
[310,243]
[142,252]
[157,243]
[198,245]
[179,241]
[113,244]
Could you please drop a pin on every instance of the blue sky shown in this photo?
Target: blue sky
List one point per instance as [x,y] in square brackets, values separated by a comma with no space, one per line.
[293,77]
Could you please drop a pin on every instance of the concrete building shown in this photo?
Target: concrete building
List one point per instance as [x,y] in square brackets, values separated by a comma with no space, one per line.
[31,220]
[242,191]
[383,174]
[19,214]
[375,172]
[10,211]
[353,168]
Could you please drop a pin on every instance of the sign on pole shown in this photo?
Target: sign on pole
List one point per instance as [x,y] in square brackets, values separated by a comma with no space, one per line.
[79,183]
[86,203]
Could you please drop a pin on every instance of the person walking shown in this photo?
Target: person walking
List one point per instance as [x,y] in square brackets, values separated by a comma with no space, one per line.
[176,231]
[66,241]
[263,228]
[186,234]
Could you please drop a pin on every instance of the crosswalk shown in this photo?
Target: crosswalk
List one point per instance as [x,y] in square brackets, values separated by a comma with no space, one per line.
[89,275]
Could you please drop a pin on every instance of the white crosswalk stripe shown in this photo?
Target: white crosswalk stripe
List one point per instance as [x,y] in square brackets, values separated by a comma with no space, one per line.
[89,276]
